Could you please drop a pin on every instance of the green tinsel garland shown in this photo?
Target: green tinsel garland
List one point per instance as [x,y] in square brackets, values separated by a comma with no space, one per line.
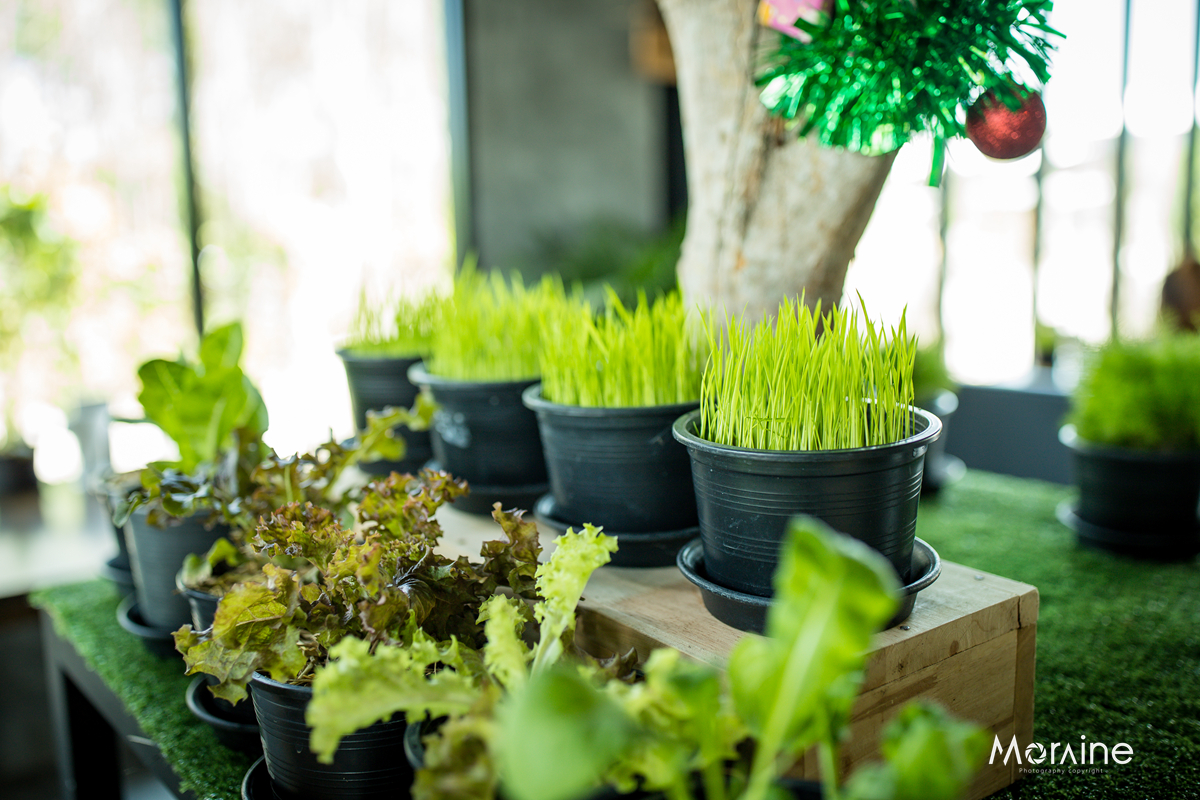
[879,71]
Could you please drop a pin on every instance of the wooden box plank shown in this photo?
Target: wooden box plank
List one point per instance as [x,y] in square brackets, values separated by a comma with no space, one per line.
[970,644]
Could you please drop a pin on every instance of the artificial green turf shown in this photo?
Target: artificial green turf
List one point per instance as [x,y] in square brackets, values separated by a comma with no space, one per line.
[151,688]
[1118,649]
[1118,641]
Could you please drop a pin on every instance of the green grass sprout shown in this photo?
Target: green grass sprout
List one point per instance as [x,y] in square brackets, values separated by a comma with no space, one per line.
[800,381]
[395,328]
[492,327]
[621,357]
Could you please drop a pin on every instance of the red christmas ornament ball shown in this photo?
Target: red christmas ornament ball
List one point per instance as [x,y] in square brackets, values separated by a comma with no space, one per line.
[1000,132]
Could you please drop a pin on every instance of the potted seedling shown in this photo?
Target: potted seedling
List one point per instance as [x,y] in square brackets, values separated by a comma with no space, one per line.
[687,732]
[612,385]
[483,358]
[216,417]
[541,723]
[1134,434]
[380,582]
[810,413]
[934,390]
[436,679]
[385,341]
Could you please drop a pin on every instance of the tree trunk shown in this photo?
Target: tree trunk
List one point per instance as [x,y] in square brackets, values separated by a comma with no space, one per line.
[769,214]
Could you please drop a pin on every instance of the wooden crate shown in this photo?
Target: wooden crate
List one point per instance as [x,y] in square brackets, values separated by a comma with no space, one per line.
[969,645]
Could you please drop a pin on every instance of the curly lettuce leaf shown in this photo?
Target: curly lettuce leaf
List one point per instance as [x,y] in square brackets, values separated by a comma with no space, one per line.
[505,655]
[359,687]
[796,686]
[928,755]
[458,762]
[198,569]
[253,630]
[514,562]
[688,726]
[560,582]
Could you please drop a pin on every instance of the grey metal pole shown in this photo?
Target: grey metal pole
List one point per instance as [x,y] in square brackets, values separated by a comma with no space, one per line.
[191,203]
[1119,202]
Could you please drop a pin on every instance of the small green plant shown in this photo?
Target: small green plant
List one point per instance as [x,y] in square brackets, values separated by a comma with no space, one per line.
[492,327]
[676,732]
[1141,394]
[801,381]
[400,328]
[645,356]
[380,581]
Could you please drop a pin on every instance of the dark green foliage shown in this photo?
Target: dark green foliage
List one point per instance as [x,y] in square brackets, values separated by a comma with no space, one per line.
[362,583]
[1144,395]
[879,71]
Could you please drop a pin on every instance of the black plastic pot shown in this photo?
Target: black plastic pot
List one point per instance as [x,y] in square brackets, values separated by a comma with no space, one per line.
[379,382]
[746,497]
[16,474]
[482,432]
[1133,501]
[233,724]
[201,605]
[368,765]
[616,467]
[748,612]
[158,641]
[941,468]
[156,554]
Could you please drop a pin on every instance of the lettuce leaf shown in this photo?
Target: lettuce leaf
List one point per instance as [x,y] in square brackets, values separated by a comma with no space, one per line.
[357,687]
[560,582]
[928,755]
[796,686]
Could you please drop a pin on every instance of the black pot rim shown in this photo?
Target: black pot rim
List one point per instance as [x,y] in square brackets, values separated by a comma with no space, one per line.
[1076,443]
[682,431]
[419,376]
[199,708]
[1170,546]
[129,615]
[691,559]
[533,400]
[278,687]
[257,781]
[348,354]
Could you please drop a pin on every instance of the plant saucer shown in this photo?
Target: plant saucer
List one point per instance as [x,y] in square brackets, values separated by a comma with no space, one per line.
[234,734]
[257,783]
[634,549]
[158,641]
[1148,544]
[121,576]
[748,612]
[481,497]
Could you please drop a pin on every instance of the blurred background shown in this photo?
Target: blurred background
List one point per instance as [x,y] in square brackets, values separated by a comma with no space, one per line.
[332,145]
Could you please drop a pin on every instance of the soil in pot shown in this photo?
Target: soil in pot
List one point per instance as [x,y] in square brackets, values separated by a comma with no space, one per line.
[376,383]
[1133,501]
[156,554]
[745,498]
[368,765]
[483,432]
[619,468]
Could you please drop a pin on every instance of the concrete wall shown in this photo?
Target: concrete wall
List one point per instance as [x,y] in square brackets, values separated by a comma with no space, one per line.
[562,131]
